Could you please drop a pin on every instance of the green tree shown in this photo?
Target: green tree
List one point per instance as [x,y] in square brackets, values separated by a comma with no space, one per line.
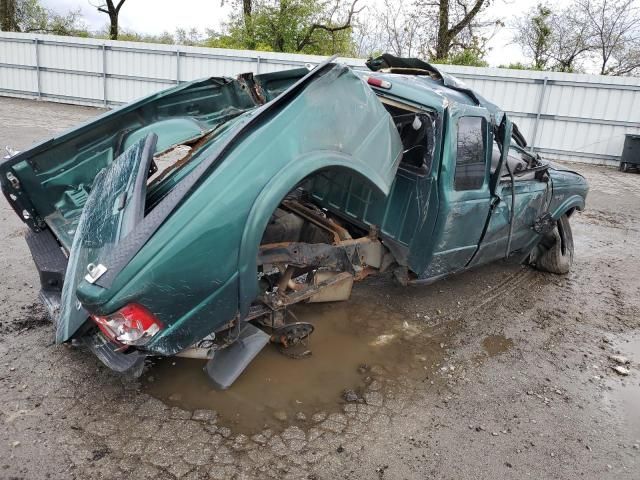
[191,37]
[534,35]
[308,26]
[133,36]
[469,57]
[518,66]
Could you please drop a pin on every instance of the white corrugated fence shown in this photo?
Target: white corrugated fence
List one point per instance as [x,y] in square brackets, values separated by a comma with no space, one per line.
[564,116]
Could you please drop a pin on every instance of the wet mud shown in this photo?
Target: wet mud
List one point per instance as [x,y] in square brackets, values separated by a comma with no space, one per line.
[496,344]
[351,342]
[625,392]
[34,317]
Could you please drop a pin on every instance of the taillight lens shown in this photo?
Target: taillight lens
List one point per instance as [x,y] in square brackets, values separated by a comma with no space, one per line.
[131,325]
[376,82]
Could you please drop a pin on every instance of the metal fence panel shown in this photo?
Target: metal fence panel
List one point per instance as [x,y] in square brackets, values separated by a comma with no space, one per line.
[18,82]
[564,116]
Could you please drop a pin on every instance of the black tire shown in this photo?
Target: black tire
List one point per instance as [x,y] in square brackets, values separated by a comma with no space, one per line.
[624,167]
[554,253]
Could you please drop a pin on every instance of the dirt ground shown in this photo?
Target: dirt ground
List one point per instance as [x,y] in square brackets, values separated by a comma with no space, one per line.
[501,372]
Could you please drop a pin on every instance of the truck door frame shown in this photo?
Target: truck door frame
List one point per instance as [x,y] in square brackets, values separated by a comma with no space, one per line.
[462,214]
[530,194]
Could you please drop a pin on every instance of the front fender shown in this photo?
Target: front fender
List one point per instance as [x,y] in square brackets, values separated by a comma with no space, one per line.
[272,195]
[574,201]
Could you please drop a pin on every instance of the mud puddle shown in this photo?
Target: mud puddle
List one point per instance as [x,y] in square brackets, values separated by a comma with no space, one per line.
[352,343]
[496,344]
[627,394]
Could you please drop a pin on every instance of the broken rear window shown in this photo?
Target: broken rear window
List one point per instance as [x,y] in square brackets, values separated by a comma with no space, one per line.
[417,132]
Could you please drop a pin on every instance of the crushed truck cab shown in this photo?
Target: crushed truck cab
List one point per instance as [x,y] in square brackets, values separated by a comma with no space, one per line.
[190,221]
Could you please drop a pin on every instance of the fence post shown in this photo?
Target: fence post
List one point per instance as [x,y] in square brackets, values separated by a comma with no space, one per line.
[104,75]
[177,66]
[538,113]
[257,64]
[38,68]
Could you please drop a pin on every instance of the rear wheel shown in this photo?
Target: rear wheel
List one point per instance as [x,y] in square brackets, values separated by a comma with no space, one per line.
[554,253]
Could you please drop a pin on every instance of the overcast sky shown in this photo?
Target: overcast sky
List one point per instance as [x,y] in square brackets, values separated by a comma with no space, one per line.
[156,16]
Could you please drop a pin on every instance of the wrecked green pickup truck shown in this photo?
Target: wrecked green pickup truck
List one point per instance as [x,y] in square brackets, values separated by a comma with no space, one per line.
[187,222]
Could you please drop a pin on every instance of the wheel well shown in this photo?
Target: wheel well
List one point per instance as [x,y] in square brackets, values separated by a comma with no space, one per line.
[307,253]
[570,211]
[268,202]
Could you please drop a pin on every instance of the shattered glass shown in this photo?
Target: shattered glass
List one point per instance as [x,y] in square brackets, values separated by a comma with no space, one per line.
[114,206]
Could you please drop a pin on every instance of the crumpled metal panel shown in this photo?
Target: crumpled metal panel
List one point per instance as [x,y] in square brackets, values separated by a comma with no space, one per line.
[112,210]
[205,251]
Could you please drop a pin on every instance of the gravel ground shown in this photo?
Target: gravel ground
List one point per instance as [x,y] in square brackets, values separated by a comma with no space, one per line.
[501,372]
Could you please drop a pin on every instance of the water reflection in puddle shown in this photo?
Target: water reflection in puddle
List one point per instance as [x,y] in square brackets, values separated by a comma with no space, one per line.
[496,344]
[347,336]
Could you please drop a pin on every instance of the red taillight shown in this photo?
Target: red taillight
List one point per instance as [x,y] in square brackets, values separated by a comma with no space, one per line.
[131,325]
[376,82]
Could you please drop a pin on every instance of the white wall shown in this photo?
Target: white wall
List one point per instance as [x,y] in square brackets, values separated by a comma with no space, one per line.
[565,116]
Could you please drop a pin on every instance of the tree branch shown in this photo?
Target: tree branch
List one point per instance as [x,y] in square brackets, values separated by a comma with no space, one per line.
[306,40]
[466,20]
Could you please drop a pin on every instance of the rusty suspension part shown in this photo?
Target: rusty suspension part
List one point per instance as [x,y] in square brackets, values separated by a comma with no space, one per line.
[338,231]
[331,268]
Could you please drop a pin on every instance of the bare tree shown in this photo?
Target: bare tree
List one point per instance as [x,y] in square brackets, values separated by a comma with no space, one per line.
[570,39]
[614,34]
[392,27]
[366,35]
[113,10]
[475,37]
[401,28]
[417,28]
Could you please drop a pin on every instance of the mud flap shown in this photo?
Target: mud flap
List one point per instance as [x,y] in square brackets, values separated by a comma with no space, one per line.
[226,365]
[132,363]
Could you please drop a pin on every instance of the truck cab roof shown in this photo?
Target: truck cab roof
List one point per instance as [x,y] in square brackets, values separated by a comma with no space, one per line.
[421,82]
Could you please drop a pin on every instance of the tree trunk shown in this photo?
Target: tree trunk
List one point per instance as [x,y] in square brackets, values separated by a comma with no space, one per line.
[279,38]
[113,29]
[247,11]
[443,42]
[446,35]
[8,16]
[113,11]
